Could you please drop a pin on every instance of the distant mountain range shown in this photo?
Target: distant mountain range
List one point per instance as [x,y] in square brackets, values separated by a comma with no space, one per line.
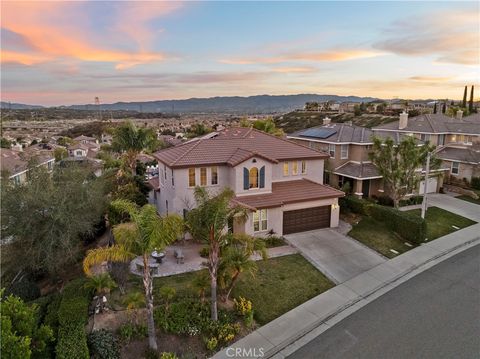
[18,106]
[233,104]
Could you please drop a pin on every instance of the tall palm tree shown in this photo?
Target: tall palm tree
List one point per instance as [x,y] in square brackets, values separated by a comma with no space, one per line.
[209,222]
[146,232]
[131,141]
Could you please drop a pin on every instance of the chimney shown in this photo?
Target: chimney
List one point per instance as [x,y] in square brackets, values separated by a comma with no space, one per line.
[326,121]
[403,120]
[459,114]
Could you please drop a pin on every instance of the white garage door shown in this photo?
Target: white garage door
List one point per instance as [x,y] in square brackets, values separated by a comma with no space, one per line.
[431,186]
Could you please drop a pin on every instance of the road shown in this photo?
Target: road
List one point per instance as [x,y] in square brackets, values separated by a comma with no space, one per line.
[433,315]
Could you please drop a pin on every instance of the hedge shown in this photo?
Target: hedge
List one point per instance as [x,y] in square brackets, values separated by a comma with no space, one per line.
[72,317]
[409,226]
[354,204]
[475,183]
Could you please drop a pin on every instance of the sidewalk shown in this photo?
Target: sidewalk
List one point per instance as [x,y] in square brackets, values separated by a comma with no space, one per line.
[284,335]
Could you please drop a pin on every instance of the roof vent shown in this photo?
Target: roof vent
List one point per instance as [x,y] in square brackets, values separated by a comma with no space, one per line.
[327,121]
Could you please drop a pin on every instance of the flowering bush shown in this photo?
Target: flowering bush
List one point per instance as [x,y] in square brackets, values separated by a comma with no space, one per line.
[243,306]
[211,343]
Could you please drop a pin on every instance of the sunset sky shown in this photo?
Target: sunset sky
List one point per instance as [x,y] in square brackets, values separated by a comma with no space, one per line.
[56,53]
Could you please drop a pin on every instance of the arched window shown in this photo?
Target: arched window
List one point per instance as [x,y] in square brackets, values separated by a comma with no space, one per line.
[253,177]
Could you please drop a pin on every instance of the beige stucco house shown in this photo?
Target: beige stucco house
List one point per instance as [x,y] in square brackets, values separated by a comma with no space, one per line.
[278,181]
[15,164]
[457,141]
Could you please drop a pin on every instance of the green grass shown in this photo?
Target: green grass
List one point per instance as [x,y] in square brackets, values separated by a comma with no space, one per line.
[469,199]
[440,222]
[376,235]
[280,285]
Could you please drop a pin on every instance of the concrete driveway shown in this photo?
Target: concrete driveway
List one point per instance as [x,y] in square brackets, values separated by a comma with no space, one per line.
[455,205]
[337,256]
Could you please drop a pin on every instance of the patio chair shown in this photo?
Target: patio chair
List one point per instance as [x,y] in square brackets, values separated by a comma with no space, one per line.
[179,256]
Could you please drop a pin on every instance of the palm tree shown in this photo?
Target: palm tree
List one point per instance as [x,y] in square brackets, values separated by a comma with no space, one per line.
[130,140]
[236,259]
[101,283]
[146,232]
[200,284]
[209,222]
[134,301]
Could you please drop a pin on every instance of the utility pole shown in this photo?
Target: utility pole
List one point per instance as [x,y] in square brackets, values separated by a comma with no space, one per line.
[425,186]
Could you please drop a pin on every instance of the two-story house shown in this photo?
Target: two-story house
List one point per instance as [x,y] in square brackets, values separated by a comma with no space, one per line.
[15,164]
[279,182]
[457,140]
[348,147]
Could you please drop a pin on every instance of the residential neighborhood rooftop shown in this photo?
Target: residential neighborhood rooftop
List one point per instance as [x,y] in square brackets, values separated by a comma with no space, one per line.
[436,123]
[285,192]
[468,155]
[365,170]
[17,161]
[232,146]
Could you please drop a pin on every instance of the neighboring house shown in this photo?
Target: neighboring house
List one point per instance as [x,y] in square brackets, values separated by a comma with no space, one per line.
[85,140]
[279,182]
[15,163]
[457,140]
[348,147]
[85,150]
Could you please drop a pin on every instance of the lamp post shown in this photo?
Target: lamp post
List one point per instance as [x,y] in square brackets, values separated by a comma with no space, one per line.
[425,186]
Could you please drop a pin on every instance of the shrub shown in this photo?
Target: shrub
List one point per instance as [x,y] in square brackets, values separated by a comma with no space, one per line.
[475,183]
[131,331]
[409,226]
[354,204]
[168,355]
[204,252]
[211,343]
[72,317]
[274,241]
[25,288]
[411,201]
[385,201]
[243,306]
[103,345]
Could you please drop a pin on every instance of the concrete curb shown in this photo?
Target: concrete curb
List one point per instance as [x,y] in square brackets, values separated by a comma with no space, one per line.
[297,327]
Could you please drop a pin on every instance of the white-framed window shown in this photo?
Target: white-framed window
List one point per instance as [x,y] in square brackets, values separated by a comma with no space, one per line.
[344,152]
[260,220]
[191,177]
[79,153]
[214,175]
[331,150]
[16,180]
[294,168]
[203,176]
[455,168]
[304,167]
[50,165]
[467,140]
[286,170]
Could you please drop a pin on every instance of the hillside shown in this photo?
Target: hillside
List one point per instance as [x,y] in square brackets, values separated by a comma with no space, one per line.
[18,106]
[298,120]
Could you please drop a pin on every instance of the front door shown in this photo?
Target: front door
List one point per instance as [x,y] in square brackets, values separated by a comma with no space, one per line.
[365,188]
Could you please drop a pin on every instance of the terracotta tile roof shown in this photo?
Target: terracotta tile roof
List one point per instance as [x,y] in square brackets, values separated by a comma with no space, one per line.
[358,170]
[154,183]
[285,192]
[232,146]
[84,138]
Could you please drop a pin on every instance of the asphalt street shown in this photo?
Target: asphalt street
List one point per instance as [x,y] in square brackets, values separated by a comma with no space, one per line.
[433,315]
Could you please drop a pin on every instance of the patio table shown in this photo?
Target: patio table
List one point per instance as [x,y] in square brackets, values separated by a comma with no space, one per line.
[158,256]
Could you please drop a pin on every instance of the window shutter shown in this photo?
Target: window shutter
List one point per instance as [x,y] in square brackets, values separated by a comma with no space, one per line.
[262,177]
[246,184]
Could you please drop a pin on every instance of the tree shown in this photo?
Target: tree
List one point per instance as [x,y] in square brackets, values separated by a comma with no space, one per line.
[435,107]
[145,233]
[268,126]
[444,107]
[198,129]
[42,219]
[464,102]
[208,222]
[60,153]
[130,141]
[470,103]
[22,336]
[4,143]
[235,260]
[398,164]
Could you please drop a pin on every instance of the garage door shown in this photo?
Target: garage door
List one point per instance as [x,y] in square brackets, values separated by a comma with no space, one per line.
[307,219]
[431,186]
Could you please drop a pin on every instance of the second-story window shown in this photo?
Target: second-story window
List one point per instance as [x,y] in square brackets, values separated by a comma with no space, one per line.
[304,167]
[191,177]
[214,175]
[425,137]
[294,168]
[344,152]
[253,177]
[203,176]
[331,151]
[286,171]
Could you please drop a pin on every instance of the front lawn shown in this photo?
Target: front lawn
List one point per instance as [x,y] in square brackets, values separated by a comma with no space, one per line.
[377,236]
[440,222]
[280,285]
[469,199]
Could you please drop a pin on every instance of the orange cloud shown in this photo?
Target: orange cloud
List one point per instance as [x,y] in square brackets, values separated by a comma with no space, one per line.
[304,69]
[57,31]
[323,56]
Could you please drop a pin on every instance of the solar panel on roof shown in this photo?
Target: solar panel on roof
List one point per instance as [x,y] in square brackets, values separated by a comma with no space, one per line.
[319,132]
